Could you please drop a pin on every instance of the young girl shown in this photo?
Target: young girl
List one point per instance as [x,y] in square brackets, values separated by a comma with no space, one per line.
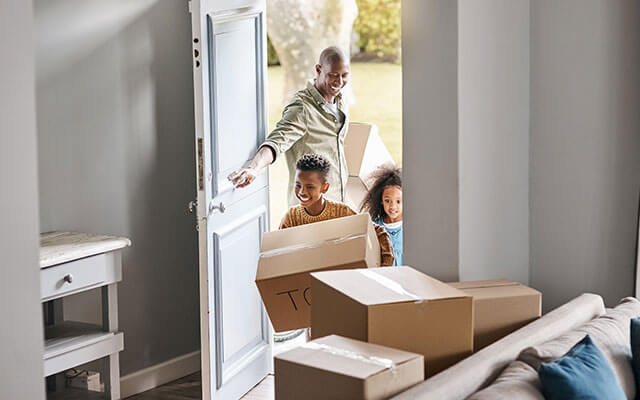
[384,204]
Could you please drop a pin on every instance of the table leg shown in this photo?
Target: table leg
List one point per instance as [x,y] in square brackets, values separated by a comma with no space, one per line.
[112,377]
[110,324]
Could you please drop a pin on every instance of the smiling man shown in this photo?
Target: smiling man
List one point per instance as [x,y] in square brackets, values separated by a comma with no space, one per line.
[314,122]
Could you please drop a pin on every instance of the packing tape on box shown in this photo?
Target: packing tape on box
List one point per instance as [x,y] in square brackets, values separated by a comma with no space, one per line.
[380,361]
[302,246]
[389,284]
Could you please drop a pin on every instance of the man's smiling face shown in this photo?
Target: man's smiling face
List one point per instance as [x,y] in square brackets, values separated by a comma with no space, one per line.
[332,78]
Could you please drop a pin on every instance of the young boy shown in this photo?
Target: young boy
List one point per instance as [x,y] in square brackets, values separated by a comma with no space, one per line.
[310,186]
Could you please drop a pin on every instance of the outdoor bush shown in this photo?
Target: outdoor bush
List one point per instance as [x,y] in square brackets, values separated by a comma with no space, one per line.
[272,56]
[378,28]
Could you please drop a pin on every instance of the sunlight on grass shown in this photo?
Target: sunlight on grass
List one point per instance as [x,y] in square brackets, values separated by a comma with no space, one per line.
[378,92]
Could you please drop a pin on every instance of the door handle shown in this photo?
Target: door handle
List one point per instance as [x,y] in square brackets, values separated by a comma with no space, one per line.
[213,207]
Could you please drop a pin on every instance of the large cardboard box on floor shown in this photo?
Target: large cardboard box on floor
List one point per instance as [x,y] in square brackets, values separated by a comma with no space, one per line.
[398,307]
[365,152]
[338,368]
[500,307]
[288,255]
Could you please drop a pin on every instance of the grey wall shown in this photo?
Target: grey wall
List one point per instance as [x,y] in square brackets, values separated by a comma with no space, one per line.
[585,147]
[466,121]
[21,339]
[430,136]
[116,155]
[493,139]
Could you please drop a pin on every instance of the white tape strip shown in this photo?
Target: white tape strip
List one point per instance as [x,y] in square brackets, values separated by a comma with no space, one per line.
[388,283]
[383,362]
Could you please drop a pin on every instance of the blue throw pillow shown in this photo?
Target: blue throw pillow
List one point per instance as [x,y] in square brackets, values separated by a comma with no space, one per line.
[583,373]
[635,352]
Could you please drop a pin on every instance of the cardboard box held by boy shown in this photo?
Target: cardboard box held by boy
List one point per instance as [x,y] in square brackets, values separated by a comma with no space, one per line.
[288,256]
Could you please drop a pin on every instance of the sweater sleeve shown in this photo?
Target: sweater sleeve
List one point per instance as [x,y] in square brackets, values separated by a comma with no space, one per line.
[286,221]
[386,248]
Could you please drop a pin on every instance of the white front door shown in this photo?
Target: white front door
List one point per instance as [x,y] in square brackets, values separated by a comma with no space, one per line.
[229,64]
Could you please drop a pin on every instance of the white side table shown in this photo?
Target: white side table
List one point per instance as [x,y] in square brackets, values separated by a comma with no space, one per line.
[70,263]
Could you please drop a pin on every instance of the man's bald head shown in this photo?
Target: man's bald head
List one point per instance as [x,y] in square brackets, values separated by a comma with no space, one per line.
[332,55]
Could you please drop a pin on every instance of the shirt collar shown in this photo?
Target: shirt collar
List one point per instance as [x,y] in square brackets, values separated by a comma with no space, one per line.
[318,97]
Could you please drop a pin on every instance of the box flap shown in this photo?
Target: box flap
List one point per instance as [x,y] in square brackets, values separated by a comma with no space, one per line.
[315,232]
[495,292]
[320,245]
[482,284]
[388,285]
[364,150]
[347,356]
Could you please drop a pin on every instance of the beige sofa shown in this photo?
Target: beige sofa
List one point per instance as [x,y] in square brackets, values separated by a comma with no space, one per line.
[507,369]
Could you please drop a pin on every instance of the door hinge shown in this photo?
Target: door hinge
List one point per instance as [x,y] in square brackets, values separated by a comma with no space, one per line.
[190,7]
[200,166]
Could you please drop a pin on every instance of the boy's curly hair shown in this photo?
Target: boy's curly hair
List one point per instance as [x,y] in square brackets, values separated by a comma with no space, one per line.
[314,162]
[386,175]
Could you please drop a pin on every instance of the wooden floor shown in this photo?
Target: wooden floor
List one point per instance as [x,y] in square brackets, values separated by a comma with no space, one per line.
[188,388]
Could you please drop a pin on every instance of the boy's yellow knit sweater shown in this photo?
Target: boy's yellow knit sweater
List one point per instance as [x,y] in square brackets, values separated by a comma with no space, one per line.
[298,216]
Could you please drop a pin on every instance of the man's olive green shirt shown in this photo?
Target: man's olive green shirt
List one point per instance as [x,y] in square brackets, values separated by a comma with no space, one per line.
[307,126]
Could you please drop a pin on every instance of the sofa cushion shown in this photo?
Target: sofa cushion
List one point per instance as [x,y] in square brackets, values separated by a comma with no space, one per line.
[609,332]
[518,381]
[581,374]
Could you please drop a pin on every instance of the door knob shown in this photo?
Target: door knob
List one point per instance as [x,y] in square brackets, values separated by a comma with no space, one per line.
[213,207]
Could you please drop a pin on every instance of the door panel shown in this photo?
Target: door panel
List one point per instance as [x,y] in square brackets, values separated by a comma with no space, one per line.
[229,47]
[237,96]
[235,246]
[239,246]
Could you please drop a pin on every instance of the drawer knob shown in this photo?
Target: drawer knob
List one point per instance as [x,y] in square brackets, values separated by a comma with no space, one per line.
[68,278]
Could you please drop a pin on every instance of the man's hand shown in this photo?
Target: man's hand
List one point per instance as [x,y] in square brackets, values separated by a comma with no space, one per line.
[243,177]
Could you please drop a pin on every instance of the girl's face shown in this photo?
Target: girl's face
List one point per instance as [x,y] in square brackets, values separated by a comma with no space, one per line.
[392,203]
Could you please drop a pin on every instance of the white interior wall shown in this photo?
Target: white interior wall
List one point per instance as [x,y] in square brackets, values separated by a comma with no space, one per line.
[21,338]
[430,136]
[116,156]
[585,147]
[493,139]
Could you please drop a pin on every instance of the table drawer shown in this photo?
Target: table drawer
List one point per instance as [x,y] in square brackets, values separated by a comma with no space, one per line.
[80,275]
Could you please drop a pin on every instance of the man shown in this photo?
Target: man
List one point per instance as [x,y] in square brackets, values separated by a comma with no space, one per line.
[315,121]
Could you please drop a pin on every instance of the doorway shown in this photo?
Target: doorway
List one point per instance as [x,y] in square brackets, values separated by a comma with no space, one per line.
[376,82]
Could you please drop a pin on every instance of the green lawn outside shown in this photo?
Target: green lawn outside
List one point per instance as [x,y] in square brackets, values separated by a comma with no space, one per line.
[378,93]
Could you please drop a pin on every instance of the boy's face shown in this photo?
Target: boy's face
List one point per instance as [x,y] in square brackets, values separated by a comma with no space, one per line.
[392,202]
[310,187]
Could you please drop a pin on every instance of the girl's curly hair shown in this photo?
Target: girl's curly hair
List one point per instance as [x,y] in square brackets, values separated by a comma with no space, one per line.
[386,175]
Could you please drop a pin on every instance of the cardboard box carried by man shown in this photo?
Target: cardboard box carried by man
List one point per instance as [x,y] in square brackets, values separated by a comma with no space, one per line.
[287,257]
[365,152]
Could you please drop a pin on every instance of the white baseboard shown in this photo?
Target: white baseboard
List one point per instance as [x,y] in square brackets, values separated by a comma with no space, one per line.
[159,374]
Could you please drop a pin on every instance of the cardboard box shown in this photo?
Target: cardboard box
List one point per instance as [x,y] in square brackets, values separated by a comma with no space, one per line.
[338,368]
[288,255]
[397,307]
[355,193]
[500,307]
[365,152]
